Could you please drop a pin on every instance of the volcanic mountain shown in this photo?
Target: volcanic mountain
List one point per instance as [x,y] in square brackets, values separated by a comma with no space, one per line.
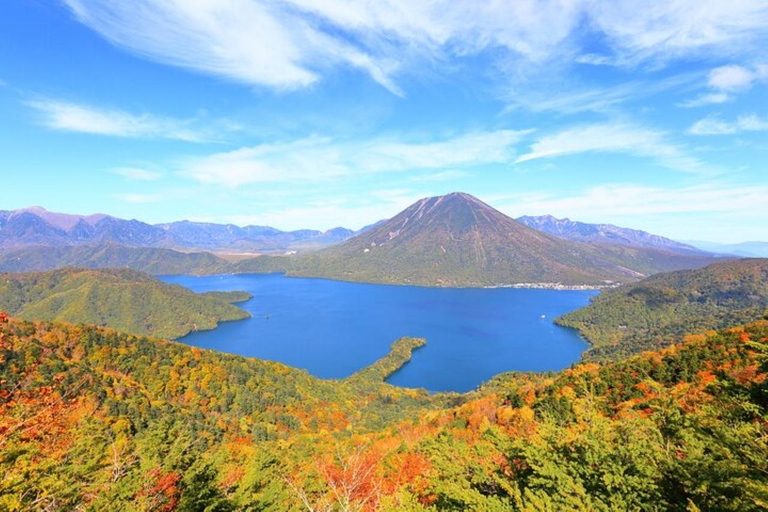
[458,240]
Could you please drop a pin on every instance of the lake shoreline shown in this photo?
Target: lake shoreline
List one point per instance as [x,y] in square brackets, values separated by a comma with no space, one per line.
[528,286]
[334,328]
[555,286]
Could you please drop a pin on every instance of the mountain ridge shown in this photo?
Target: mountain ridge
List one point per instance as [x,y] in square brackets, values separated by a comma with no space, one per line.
[37,226]
[604,233]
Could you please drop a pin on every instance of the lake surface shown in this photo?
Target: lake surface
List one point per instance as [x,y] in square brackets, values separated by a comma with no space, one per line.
[332,329]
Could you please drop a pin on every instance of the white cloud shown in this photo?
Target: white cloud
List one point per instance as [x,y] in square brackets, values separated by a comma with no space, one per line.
[140,198]
[74,117]
[731,78]
[712,98]
[276,44]
[287,44]
[716,126]
[133,173]
[594,59]
[322,158]
[612,138]
[726,82]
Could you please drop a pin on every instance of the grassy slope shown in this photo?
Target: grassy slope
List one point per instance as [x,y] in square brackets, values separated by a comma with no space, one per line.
[660,309]
[126,300]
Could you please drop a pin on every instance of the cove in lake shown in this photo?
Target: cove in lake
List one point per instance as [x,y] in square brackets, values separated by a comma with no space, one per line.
[333,329]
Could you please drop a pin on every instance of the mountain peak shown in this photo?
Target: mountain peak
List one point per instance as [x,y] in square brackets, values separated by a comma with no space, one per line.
[458,240]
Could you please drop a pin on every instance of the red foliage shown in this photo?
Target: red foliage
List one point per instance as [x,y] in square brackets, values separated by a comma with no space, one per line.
[164,493]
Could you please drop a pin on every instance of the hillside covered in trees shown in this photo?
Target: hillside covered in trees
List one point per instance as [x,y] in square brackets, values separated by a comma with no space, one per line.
[662,308]
[97,420]
[125,300]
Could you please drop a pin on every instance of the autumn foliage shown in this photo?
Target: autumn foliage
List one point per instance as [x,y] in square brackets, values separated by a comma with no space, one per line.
[94,419]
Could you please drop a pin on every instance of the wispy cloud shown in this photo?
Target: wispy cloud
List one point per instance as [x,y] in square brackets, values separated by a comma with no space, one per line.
[594,99]
[140,198]
[322,158]
[716,126]
[76,117]
[448,175]
[726,82]
[667,30]
[613,138]
[134,173]
[287,44]
[276,44]
[710,98]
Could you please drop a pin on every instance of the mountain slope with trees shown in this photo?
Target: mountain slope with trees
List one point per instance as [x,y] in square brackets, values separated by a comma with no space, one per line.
[125,300]
[94,419]
[659,310]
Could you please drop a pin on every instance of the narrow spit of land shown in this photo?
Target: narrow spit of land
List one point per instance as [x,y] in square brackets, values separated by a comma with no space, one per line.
[399,354]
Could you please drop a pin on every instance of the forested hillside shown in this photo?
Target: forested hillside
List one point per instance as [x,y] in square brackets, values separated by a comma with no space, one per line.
[125,300]
[98,420]
[662,308]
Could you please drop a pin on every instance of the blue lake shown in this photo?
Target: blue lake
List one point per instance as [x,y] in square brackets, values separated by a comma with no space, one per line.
[332,329]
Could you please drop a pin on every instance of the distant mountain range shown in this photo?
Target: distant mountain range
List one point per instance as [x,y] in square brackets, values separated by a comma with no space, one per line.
[37,226]
[451,240]
[604,234]
[458,240]
[745,249]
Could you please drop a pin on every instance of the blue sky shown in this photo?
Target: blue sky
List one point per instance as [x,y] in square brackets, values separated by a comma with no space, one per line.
[301,114]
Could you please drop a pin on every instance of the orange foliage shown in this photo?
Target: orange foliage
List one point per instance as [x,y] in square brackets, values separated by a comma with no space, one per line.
[407,469]
[694,338]
[747,374]
[705,377]
[164,492]
[353,481]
